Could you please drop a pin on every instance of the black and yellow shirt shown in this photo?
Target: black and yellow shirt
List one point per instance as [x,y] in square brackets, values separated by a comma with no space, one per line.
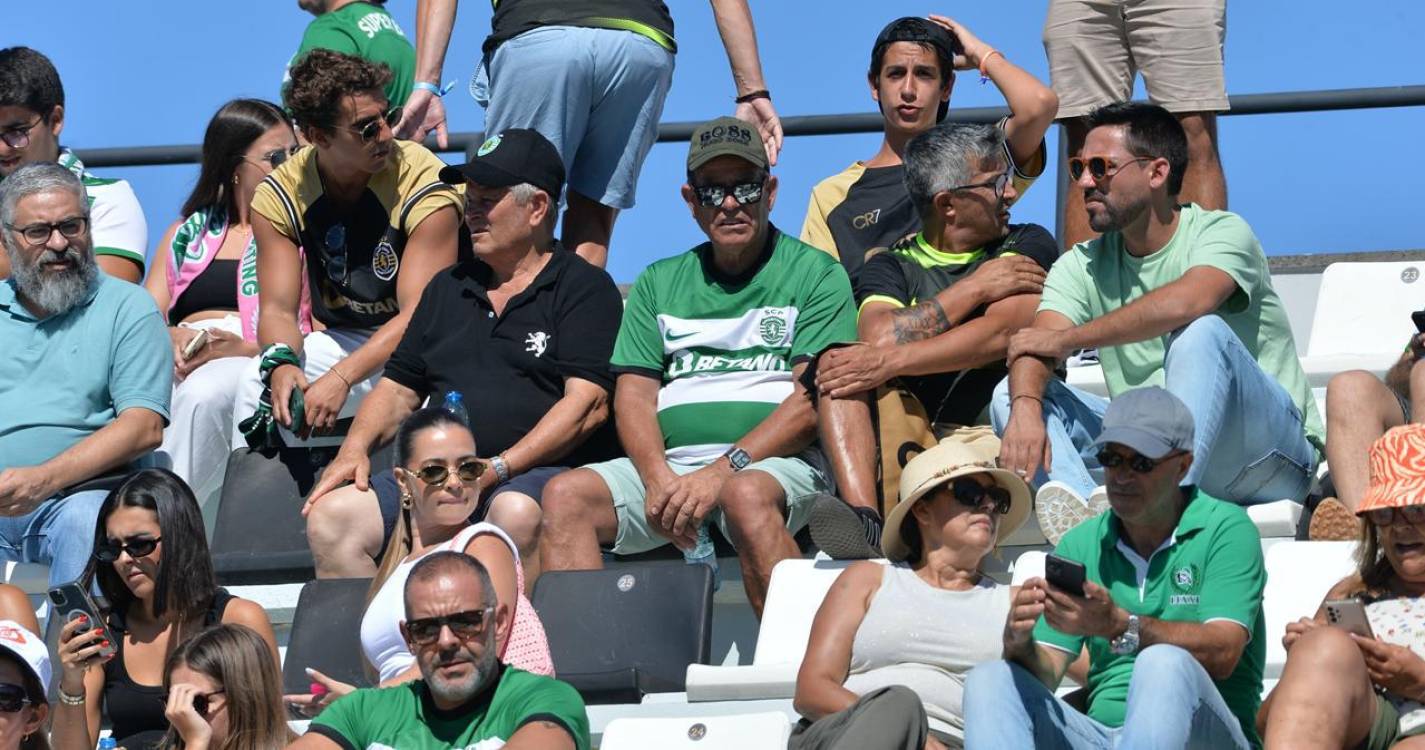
[353,254]
[913,271]
[865,210]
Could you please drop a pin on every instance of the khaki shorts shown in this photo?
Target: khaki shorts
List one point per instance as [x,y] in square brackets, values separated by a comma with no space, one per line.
[1096,47]
[800,480]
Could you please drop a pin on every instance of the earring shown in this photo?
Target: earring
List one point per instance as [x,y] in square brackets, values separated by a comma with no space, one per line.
[406,500]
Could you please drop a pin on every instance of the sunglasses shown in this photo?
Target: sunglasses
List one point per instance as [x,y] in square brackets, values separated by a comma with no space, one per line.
[465,625]
[999,183]
[972,494]
[1412,514]
[109,550]
[1138,462]
[276,156]
[372,128]
[334,246]
[19,137]
[1099,167]
[13,697]
[743,192]
[39,234]
[468,470]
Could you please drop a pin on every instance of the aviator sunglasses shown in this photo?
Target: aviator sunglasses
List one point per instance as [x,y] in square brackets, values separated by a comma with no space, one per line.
[468,470]
[372,128]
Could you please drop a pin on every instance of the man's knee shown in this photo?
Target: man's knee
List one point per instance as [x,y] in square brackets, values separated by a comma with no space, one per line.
[897,706]
[749,500]
[1346,391]
[78,515]
[1165,660]
[989,682]
[1198,341]
[518,515]
[336,520]
[568,497]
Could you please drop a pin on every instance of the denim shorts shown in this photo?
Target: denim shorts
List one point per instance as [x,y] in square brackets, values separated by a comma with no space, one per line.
[596,94]
[388,494]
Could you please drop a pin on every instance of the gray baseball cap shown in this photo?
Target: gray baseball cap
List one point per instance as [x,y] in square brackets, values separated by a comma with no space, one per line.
[1149,420]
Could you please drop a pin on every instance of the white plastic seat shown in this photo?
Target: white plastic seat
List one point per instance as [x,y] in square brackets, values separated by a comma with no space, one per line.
[1276,520]
[1298,576]
[759,731]
[1364,308]
[793,597]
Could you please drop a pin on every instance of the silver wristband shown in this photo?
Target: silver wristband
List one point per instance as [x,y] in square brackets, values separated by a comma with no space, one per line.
[502,469]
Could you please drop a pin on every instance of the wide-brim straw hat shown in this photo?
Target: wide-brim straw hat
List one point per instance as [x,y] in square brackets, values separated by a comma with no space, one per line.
[940,465]
[1397,470]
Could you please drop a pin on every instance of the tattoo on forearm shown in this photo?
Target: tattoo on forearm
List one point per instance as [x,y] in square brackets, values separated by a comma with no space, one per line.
[919,322]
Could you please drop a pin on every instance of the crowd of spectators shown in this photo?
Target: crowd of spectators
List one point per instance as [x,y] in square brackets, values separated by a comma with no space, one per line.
[330,281]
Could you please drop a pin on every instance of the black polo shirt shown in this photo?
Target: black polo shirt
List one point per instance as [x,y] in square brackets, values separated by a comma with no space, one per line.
[511,368]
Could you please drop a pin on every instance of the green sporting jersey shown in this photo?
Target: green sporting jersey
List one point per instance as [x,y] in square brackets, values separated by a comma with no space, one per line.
[724,348]
[404,716]
[370,33]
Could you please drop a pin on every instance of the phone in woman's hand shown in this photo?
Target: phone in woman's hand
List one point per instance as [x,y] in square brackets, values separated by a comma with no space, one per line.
[194,344]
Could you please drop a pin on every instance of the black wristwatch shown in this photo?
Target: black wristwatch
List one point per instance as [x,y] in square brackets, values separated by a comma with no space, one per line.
[738,458]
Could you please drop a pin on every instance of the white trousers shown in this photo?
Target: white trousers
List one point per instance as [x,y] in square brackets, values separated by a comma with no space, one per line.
[196,443]
[320,351]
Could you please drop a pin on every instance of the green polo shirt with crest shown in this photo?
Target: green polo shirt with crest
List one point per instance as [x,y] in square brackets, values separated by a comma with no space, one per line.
[1210,569]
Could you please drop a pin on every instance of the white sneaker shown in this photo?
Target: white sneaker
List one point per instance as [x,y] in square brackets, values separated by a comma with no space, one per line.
[1098,500]
[1059,507]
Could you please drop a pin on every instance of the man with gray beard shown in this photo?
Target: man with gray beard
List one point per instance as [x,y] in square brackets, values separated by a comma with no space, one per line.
[86,376]
[465,697]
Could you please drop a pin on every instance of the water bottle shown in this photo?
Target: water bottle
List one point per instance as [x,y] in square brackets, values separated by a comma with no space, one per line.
[455,404]
[108,743]
[703,552]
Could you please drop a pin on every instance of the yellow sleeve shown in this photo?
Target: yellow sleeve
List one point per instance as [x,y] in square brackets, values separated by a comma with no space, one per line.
[273,202]
[815,232]
[422,192]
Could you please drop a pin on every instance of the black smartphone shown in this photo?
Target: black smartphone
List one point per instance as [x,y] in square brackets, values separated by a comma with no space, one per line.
[1064,574]
[1418,317]
[71,601]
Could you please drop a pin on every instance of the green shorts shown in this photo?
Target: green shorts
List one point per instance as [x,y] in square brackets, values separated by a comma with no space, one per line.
[1385,730]
[799,479]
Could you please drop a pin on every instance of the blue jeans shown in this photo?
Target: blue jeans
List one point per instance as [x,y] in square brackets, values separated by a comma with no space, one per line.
[1250,441]
[59,533]
[1172,703]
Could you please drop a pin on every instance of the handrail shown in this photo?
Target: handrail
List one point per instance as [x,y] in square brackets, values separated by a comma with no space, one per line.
[869,122]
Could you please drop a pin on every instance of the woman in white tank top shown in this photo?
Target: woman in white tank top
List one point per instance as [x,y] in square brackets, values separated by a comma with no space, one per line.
[438,473]
[891,644]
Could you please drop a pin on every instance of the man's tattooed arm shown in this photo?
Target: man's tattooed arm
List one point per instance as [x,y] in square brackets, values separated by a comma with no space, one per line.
[919,322]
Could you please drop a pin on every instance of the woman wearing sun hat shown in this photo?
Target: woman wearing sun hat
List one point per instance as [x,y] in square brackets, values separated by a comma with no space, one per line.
[1343,690]
[891,644]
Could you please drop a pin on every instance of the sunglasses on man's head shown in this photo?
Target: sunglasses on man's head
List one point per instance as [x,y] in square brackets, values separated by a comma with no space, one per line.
[1138,462]
[1098,167]
[972,494]
[139,546]
[465,625]
[1412,514]
[372,128]
[468,470]
[742,192]
[13,697]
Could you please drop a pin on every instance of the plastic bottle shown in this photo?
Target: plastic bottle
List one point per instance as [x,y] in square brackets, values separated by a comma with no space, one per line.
[455,404]
[108,743]
[703,552]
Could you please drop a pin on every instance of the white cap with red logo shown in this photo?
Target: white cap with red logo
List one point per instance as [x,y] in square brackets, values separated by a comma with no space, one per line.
[28,647]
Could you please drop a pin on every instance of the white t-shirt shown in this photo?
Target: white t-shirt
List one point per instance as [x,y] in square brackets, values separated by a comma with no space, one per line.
[118,224]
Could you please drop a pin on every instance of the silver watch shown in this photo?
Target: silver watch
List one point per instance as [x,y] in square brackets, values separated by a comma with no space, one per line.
[738,458]
[1128,642]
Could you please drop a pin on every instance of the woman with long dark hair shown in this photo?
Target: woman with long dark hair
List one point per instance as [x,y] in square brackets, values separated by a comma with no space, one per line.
[224,693]
[204,279]
[152,565]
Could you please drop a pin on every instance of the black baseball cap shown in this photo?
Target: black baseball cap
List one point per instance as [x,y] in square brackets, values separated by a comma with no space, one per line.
[919,31]
[515,156]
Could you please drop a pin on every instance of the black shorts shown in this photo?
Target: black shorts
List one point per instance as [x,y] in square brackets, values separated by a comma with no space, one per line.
[388,494]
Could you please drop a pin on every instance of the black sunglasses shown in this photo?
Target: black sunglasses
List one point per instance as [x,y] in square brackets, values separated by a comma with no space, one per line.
[1412,514]
[39,234]
[109,550]
[468,470]
[1138,462]
[1098,166]
[276,156]
[372,128]
[972,494]
[13,697]
[742,192]
[465,625]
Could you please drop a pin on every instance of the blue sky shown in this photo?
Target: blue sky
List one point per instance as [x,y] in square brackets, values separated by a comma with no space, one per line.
[149,72]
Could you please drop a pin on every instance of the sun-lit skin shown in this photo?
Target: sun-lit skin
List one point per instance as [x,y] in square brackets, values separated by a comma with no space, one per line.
[44,137]
[454,669]
[340,148]
[28,720]
[1122,197]
[1145,500]
[1403,545]
[909,89]
[139,574]
[448,505]
[732,225]
[199,683]
[969,529]
[57,255]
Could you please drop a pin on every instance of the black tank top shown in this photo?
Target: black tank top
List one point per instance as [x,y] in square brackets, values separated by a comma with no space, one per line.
[135,708]
[213,289]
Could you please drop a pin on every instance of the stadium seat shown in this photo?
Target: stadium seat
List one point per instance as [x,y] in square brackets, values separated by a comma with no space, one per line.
[1362,317]
[631,629]
[793,597]
[260,535]
[760,731]
[326,634]
[1298,576]
[1276,520]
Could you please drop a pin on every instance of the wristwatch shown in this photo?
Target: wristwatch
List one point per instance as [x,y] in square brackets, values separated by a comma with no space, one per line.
[1128,642]
[738,458]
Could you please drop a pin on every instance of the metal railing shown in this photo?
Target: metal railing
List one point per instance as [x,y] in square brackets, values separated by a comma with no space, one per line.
[807,125]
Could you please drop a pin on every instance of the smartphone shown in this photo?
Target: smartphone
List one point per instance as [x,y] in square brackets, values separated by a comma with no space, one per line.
[71,601]
[1350,616]
[194,344]
[1064,574]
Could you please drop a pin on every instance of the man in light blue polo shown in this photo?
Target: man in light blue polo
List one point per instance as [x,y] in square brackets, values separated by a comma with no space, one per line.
[85,373]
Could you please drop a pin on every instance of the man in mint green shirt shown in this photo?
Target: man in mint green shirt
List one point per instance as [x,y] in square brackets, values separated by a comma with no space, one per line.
[1171,295]
[465,698]
[362,28]
[1171,611]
